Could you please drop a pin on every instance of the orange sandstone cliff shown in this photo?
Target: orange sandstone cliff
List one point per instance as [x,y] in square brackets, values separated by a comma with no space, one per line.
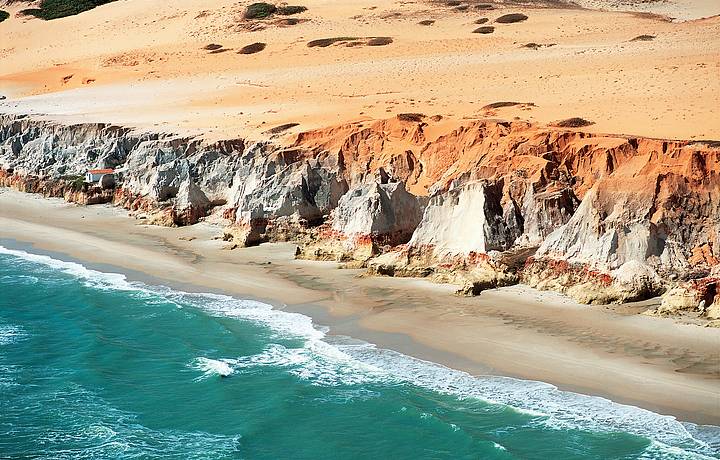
[481,203]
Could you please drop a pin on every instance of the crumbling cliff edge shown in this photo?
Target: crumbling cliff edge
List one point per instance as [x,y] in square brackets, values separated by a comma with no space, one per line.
[485,203]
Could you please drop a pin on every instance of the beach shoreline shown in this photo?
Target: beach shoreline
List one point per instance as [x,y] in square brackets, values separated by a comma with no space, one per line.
[653,363]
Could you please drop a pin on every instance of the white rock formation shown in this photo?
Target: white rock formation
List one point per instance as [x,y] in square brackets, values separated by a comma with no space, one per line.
[465,219]
[378,210]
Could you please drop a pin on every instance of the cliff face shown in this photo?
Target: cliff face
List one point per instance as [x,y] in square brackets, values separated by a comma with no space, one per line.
[608,218]
[615,218]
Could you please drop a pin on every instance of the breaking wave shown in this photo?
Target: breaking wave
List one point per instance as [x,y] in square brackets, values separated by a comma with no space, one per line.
[329,360]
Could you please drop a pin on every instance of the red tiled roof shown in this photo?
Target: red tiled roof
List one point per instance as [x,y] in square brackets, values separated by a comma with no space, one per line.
[101,171]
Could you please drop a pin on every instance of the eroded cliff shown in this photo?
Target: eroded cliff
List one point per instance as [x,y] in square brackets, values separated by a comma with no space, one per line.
[483,203]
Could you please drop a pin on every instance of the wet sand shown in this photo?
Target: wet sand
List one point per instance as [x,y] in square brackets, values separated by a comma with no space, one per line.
[655,363]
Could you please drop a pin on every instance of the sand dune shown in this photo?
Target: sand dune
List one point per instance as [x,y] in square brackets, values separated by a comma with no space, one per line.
[143,63]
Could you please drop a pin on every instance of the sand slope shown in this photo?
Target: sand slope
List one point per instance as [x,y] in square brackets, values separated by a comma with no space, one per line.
[142,62]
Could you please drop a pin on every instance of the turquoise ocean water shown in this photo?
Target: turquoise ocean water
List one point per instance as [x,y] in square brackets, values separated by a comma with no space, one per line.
[94,366]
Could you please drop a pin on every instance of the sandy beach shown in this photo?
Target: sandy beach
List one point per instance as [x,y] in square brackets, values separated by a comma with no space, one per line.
[653,363]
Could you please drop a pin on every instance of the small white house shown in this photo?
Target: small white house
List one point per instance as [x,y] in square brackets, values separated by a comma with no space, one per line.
[94,175]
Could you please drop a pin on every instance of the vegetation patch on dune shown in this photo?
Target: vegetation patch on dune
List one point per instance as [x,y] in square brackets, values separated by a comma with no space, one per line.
[511,18]
[281,128]
[643,38]
[252,48]
[4,15]
[574,122]
[259,10]
[379,41]
[212,47]
[427,22]
[262,10]
[484,30]
[349,41]
[325,42]
[411,117]
[497,105]
[291,9]
[54,9]
[481,21]
[537,46]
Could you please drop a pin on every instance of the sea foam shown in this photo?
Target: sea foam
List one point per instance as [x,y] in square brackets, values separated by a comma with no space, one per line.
[333,360]
[10,334]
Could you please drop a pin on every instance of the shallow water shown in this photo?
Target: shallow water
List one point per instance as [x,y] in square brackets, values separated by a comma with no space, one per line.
[93,366]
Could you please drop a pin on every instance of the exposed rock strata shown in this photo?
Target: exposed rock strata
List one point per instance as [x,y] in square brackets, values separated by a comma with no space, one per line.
[367,218]
[615,218]
[698,295]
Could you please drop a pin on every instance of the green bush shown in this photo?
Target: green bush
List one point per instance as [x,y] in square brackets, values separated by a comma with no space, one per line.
[259,10]
[54,9]
[574,122]
[4,15]
[291,9]
[77,183]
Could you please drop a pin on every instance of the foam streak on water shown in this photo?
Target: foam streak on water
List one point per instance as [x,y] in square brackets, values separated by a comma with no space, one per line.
[326,360]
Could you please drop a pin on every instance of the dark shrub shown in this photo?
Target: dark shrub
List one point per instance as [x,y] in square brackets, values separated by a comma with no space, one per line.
[77,183]
[413,117]
[212,47]
[291,9]
[259,10]
[426,22]
[4,15]
[379,41]
[324,42]
[497,105]
[54,9]
[643,38]
[252,48]
[537,46]
[482,21]
[281,128]
[575,122]
[484,30]
[511,18]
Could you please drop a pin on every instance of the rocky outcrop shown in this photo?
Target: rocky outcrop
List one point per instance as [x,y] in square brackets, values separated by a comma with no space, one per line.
[366,218]
[481,204]
[70,189]
[700,295]
[387,213]
[467,219]
[659,220]
[281,193]
[169,180]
